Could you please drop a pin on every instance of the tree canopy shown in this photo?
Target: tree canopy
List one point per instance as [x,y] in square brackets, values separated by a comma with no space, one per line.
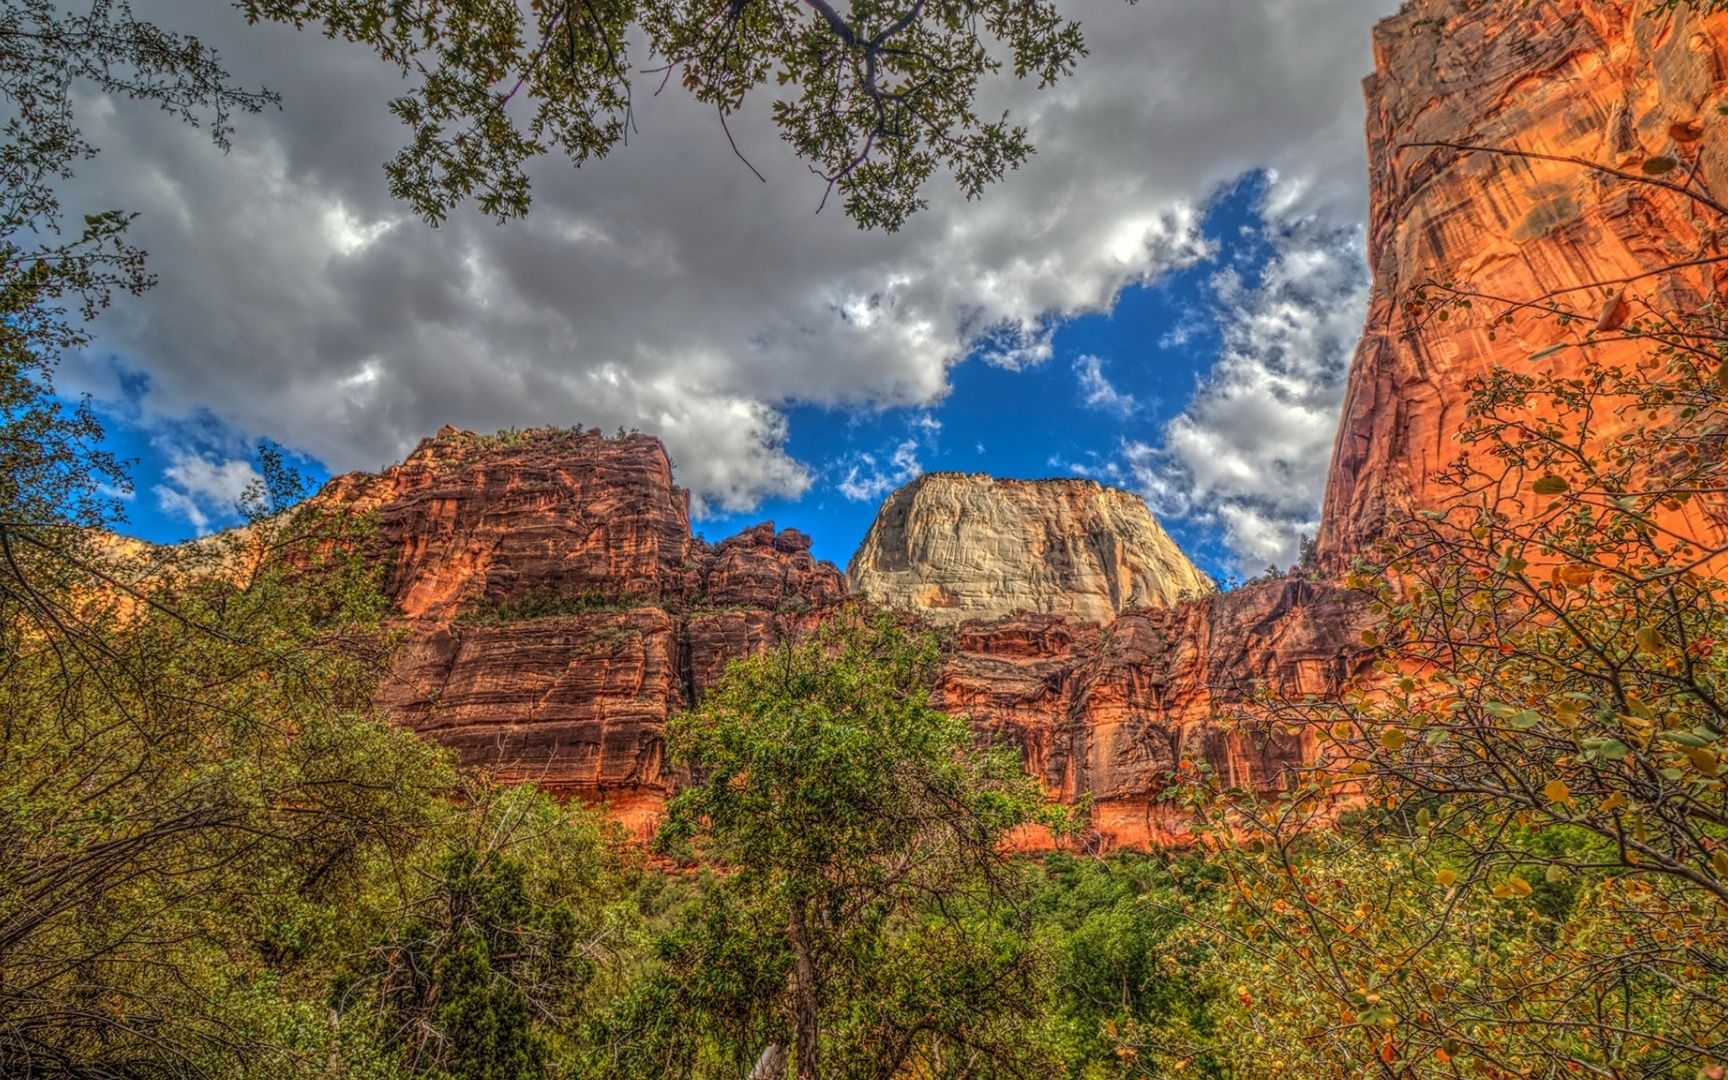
[861,830]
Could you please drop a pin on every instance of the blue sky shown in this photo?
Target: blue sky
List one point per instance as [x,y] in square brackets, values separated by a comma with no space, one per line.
[1150,350]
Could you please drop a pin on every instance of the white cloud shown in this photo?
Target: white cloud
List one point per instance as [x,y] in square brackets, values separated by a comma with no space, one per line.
[205,492]
[663,287]
[1250,451]
[868,479]
[1097,391]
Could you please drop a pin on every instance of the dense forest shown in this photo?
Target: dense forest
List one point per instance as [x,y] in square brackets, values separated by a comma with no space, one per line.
[1509,857]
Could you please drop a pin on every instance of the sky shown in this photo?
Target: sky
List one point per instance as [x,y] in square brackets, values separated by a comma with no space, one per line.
[1163,299]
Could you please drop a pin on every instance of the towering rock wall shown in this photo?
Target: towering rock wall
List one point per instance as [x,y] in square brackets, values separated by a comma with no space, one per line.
[1596,80]
[558,609]
[1107,712]
[958,547]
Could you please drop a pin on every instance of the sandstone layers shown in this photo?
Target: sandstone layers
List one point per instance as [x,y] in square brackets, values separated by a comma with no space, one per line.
[959,547]
[1107,711]
[558,608]
[558,611]
[1597,80]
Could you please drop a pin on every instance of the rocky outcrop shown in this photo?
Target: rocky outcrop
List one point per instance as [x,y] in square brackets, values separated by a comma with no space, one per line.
[1107,712]
[534,520]
[955,546]
[558,609]
[1599,81]
[557,612]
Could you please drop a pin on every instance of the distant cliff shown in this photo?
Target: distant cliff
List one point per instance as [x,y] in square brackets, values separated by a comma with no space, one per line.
[558,609]
[957,547]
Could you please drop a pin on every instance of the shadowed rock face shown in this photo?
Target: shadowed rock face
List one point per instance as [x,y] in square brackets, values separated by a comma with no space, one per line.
[1597,80]
[957,547]
[1107,712]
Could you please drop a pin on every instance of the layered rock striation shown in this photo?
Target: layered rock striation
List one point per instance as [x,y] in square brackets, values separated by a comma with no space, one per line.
[968,546]
[1586,85]
[1106,712]
[558,609]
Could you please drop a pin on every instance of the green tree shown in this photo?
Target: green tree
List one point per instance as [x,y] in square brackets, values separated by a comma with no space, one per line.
[191,782]
[872,921]
[1127,999]
[490,962]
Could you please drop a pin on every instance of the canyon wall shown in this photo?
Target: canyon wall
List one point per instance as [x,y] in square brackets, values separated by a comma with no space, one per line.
[557,611]
[955,547]
[1598,81]
[1106,711]
[557,608]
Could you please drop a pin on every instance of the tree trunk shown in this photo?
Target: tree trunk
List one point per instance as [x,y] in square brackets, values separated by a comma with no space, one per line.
[771,1065]
[805,1022]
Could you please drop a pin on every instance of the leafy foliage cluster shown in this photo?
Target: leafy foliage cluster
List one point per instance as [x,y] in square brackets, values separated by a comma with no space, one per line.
[877,919]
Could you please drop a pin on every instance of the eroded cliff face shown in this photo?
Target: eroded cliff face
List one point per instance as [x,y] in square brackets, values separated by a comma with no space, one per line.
[968,546]
[1107,712]
[1595,80]
[558,609]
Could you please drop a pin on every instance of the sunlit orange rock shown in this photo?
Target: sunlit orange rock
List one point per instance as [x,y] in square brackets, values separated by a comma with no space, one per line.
[557,612]
[1595,80]
[1108,712]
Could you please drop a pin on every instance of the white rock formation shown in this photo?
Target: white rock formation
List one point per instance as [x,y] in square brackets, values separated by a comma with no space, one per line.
[968,546]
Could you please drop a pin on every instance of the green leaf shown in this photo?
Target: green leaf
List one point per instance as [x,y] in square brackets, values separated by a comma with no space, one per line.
[1551,485]
[1658,166]
[1684,738]
[1606,749]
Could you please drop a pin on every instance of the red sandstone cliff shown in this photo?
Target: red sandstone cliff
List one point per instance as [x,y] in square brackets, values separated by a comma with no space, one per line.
[1597,80]
[1107,711]
[558,608]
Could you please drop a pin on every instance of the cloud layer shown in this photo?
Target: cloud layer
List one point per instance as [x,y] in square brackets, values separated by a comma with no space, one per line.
[665,288]
[1248,455]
